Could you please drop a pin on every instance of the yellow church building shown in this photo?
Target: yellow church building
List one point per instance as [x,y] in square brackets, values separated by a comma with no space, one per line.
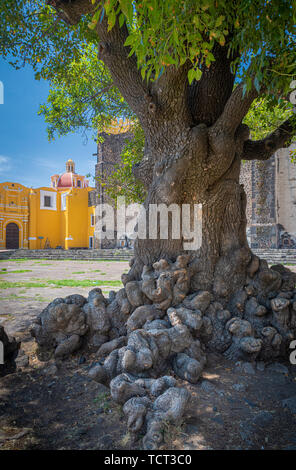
[56,217]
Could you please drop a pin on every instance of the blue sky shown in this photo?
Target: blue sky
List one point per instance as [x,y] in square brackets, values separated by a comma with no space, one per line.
[26,156]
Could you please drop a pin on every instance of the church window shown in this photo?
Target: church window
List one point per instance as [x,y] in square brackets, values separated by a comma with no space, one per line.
[47,201]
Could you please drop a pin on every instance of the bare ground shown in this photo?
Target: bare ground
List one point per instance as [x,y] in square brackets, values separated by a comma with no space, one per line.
[232,407]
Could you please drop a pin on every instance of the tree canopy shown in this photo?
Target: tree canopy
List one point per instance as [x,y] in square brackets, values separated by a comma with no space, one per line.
[257,39]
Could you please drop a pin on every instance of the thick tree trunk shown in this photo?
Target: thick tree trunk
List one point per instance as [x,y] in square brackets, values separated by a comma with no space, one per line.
[188,176]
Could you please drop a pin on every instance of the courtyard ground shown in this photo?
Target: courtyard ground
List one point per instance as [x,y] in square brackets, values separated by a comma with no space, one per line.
[234,406]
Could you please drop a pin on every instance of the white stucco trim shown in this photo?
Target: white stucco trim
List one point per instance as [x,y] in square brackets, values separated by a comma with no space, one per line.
[53,197]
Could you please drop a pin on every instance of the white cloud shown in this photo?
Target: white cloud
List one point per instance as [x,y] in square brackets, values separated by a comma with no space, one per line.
[5,164]
[47,164]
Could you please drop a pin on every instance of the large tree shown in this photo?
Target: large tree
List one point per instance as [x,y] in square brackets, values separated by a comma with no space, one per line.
[189,71]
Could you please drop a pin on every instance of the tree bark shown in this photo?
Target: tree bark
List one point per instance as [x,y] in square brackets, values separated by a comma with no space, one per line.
[204,169]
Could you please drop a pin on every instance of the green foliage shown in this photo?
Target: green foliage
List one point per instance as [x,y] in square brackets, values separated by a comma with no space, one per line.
[83,98]
[31,33]
[171,32]
[59,283]
[259,35]
[122,181]
[264,116]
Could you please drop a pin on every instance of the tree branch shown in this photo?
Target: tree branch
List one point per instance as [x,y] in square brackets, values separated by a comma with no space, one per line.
[113,53]
[208,96]
[235,110]
[170,92]
[265,148]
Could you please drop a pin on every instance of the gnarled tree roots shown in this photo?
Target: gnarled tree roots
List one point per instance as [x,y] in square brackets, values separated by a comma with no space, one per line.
[156,329]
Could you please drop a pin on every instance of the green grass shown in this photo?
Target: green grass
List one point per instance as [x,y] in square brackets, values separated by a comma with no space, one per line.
[85,283]
[20,271]
[37,261]
[103,400]
[24,298]
[17,260]
[78,272]
[59,283]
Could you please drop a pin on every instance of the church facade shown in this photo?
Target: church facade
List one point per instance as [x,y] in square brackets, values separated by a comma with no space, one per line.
[59,216]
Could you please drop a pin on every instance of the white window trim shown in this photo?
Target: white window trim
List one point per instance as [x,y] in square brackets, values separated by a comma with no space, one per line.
[53,197]
[64,201]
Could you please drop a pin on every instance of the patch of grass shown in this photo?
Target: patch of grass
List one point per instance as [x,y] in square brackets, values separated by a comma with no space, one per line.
[104,401]
[4,269]
[42,264]
[59,283]
[84,283]
[172,432]
[27,284]
[78,272]
[16,260]
[24,298]
[125,440]
[20,271]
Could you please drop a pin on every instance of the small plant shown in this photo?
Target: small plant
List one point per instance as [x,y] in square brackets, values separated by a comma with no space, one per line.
[103,400]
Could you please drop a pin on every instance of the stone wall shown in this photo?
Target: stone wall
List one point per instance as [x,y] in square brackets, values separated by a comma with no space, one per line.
[286,198]
[271,201]
[67,254]
[109,155]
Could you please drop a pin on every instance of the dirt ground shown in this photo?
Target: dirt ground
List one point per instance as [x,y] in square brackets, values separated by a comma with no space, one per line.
[234,406]
[19,305]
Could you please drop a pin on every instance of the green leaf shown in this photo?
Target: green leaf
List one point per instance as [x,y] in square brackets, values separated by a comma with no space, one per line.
[194,74]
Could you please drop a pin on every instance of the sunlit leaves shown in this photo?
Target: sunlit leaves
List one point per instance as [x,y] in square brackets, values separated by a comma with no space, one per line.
[122,181]
[168,33]
[31,33]
[83,98]
[266,115]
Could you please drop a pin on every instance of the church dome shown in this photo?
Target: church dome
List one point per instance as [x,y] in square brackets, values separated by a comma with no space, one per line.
[69,179]
[65,180]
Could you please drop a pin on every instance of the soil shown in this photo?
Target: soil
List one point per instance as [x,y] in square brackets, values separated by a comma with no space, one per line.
[234,406]
[20,305]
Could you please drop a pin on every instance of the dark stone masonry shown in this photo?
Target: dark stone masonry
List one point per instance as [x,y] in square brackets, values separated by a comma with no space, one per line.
[270,187]
[271,194]
[110,147]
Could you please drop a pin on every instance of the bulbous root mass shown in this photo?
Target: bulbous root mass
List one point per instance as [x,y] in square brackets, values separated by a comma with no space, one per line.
[156,329]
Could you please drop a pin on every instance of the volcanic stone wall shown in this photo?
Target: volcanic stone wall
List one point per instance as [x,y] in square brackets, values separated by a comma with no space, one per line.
[271,201]
[109,155]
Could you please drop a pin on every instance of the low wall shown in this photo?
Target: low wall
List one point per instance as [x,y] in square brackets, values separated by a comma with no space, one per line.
[67,254]
[284,256]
